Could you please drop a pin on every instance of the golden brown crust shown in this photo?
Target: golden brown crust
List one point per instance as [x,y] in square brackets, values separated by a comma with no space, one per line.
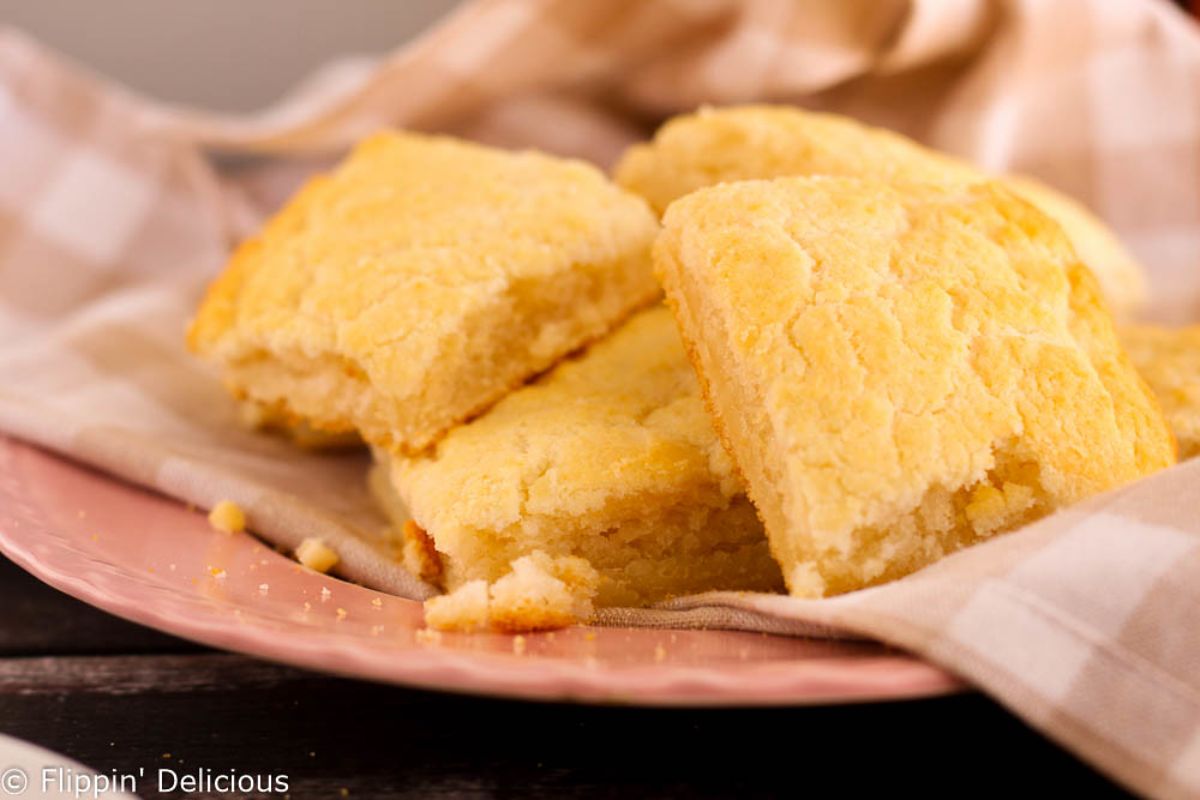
[900,371]
[422,281]
[711,146]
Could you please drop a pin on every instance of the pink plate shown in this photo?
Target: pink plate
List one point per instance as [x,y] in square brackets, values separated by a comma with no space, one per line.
[146,558]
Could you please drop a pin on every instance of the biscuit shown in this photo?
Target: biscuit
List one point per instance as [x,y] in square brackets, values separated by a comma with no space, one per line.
[420,282]
[738,143]
[1169,360]
[610,458]
[900,370]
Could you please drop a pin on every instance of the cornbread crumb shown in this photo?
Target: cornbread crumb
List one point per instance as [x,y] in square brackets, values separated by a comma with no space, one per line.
[316,555]
[660,652]
[539,592]
[1169,360]
[342,613]
[464,609]
[518,645]
[900,369]
[227,517]
[427,636]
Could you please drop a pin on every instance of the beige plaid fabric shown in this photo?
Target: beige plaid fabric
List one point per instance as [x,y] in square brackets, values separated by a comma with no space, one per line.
[115,210]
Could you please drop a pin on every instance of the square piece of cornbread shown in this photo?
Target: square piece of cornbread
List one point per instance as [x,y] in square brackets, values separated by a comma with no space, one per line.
[900,370]
[610,458]
[716,145]
[421,281]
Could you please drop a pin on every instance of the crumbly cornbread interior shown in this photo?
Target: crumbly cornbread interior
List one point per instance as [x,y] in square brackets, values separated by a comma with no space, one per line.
[420,282]
[1169,360]
[610,458]
[275,420]
[900,370]
[711,146]
[537,593]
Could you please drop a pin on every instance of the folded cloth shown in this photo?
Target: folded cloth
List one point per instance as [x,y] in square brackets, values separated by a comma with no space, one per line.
[114,213]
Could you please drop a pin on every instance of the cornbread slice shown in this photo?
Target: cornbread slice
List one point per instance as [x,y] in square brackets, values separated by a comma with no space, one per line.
[900,370]
[420,282]
[1169,360]
[716,145]
[609,458]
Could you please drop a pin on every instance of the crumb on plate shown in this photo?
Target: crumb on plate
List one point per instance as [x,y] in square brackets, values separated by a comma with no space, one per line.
[315,554]
[227,517]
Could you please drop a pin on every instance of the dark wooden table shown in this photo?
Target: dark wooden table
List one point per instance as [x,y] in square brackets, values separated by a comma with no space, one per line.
[116,696]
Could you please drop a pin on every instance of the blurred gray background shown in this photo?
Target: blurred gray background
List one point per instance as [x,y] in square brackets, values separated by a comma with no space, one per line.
[226,55]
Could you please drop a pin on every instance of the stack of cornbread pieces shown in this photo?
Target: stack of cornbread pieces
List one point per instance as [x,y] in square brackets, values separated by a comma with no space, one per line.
[870,355]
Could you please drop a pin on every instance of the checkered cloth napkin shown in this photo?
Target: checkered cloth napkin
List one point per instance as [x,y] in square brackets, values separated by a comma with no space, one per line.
[114,211]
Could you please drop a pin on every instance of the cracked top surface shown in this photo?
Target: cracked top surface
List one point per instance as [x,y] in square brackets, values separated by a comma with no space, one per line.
[900,338]
[614,431]
[696,150]
[401,267]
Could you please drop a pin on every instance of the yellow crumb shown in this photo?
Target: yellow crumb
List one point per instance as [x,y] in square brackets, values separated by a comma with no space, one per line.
[537,593]
[315,554]
[1169,360]
[464,609]
[228,517]
[427,636]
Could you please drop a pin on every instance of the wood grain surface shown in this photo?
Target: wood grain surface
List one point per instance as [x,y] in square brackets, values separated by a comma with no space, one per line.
[119,697]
